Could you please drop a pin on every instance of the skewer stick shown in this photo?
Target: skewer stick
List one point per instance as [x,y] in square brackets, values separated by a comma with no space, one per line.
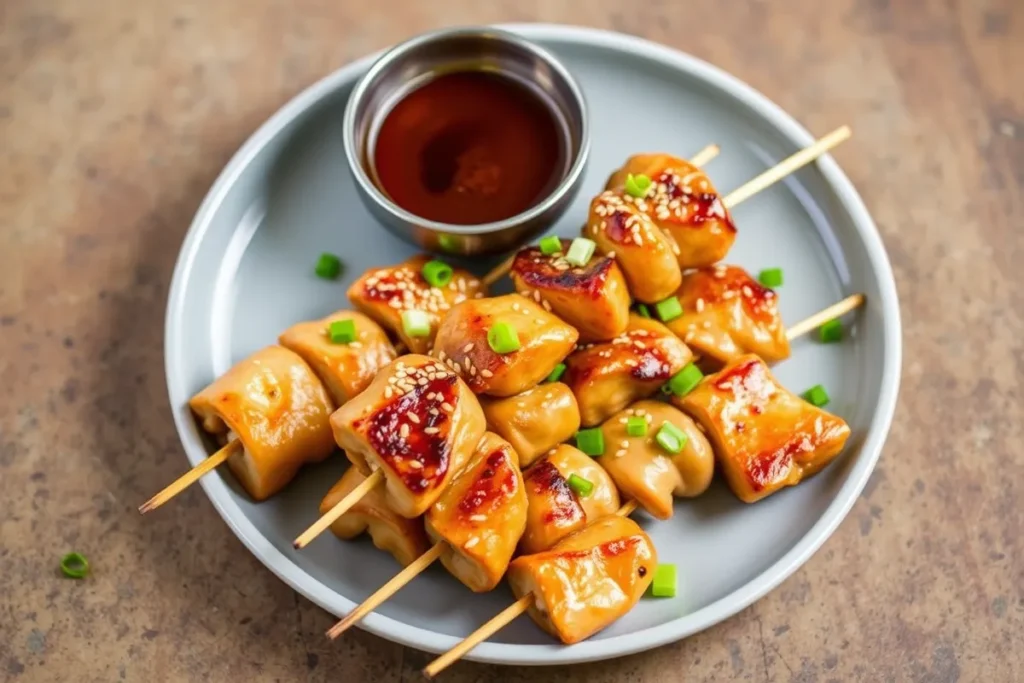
[192,476]
[821,317]
[340,508]
[699,159]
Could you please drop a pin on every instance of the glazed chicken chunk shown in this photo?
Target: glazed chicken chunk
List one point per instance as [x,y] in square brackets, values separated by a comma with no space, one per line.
[555,509]
[481,516]
[594,298]
[543,342]
[607,377]
[588,579]
[644,469]
[620,226]
[684,204]
[764,437]
[727,313]
[534,421]
[344,368]
[403,538]
[385,293]
[274,404]
[419,423]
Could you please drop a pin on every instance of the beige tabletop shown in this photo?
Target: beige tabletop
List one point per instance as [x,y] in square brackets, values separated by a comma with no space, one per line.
[115,117]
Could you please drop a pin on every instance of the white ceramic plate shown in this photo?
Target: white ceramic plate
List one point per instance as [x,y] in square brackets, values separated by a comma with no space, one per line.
[245,274]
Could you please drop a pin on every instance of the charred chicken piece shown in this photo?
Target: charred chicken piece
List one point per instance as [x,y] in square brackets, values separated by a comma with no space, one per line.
[594,298]
[279,410]
[419,423]
[481,516]
[462,343]
[534,421]
[344,368]
[384,293]
[765,437]
[588,579]
[607,377]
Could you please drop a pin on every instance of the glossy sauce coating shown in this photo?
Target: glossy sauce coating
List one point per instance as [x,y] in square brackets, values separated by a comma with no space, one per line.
[534,421]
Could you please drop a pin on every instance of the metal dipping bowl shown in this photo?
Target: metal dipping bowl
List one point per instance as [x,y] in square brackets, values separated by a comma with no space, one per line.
[415,62]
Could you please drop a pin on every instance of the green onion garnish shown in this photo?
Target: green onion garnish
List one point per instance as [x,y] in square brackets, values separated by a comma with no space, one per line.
[416,323]
[556,374]
[550,245]
[643,310]
[581,486]
[437,273]
[637,185]
[580,251]
[342,331]
[770,277]
[664,583]
[503,338]
[669,309]
[328,266]
[817,396]
[832,331]
[590,441]
[74,565]
[671,438]
[636,426]
[684,381]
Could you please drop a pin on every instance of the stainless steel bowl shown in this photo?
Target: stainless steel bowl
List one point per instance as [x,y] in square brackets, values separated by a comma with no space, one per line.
[413,63]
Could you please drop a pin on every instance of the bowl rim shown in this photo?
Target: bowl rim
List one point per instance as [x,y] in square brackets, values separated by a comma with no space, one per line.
[530,654]
[386,58]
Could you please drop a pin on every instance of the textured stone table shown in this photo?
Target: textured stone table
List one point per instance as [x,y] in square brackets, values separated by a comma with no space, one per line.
[115,117]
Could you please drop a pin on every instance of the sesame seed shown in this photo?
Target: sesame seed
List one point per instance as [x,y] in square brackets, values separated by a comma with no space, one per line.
[619,453]
[403,431]
[415,464]
[625,443]
[430,430]
[700,305]
[388,392]
[471,542]
[447,407]
[412,417]
[486,373]
[477,518]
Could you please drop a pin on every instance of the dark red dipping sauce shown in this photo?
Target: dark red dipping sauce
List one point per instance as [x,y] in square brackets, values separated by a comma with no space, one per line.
[469,148]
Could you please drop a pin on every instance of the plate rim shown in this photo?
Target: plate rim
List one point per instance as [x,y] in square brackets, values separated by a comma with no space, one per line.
[533,654]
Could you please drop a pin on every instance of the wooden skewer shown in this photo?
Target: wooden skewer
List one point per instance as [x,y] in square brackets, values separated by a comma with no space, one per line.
[192,476]
[340,508]
[699,159]
[821,317]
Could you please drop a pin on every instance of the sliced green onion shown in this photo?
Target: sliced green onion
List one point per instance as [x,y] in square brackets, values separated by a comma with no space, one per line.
[637,185]
[684,381]
[832,331]
[770,277]
[74,565]
[669,309]
[328,266]
[636,426]
[449,243]
[416,323]
[643,310]
[437,273]
[556,374]
[550,245]
[817,396]
[590,441]
[581,486]
[342,331]
[503,338]
[664,583]
[580,251]
[671,438]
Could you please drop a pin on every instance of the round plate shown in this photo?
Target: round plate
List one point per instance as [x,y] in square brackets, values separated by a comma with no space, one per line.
[245,273]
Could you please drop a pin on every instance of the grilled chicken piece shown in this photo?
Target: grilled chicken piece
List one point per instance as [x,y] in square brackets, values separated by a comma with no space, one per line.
[684,204]
[481,516]
[588,579]
[274,403]
[727,313]
[607,377]
[555,510]
[534,421]
[765,437]
[647,256]
[644,471]
[403,538]
[419,423]
[383,293]
[594,299]
[462,343]
[345,369]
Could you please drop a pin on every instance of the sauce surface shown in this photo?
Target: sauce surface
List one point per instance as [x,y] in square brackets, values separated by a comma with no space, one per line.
[468,148]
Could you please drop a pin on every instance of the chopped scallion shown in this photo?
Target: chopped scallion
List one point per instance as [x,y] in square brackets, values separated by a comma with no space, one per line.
[503,338]
[580,251]
[342,331]
[636,426]
[770,277]
[664,583]
[581,486]
[550,245]
[669,309]
[817,396]
[416,323]
[832,331]
[556,374]
[437,273]
[74,565]
[643,310]
[684,381]
[328,266]
[671,438]
[590,441]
